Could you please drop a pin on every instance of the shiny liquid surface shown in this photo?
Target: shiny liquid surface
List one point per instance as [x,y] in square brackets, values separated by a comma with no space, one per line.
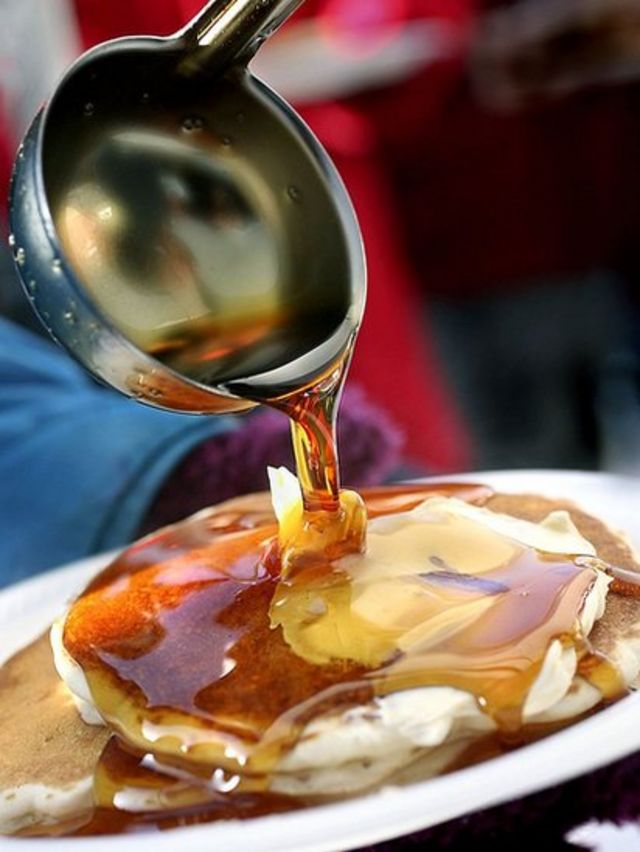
[220,257]
[207,232]
[197,652]
[215,299]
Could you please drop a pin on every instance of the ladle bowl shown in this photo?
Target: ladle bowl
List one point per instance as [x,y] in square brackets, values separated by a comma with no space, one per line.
[179,228]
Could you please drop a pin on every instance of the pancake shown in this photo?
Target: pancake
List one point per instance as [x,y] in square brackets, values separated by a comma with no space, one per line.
[616,634]
[48,755]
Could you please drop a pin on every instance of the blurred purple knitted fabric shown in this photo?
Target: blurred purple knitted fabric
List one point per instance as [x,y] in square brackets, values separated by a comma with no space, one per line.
[540,821]
[236,462]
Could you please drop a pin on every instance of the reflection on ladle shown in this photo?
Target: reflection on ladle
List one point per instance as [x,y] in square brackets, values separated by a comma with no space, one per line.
[189,220]
[200,232]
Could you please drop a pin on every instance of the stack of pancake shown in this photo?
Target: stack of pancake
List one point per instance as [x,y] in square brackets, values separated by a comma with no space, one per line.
[50,757]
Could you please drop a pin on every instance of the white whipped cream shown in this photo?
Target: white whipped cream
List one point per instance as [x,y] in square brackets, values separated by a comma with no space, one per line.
[73,676]
[31,804]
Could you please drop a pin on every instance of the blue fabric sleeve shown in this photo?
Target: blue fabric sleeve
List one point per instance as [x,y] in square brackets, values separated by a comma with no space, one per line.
[79,464]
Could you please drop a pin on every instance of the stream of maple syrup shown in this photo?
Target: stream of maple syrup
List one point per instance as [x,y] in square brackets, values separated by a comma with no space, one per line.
[211,645]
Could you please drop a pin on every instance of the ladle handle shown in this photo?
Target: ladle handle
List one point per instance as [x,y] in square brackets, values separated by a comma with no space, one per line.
[226,31]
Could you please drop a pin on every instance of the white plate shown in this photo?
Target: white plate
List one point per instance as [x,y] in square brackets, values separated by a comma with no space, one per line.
[28,608]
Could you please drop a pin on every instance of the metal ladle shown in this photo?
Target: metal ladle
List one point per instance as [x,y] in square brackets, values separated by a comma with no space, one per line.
[167,201]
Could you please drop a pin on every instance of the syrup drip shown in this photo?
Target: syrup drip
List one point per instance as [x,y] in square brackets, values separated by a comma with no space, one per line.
[182,804]
[313,426]
[334,523]
[177,642]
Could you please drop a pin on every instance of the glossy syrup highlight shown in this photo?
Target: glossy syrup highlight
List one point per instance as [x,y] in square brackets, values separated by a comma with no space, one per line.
[197,602]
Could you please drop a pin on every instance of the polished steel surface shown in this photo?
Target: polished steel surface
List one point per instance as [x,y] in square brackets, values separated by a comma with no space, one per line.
[179,229]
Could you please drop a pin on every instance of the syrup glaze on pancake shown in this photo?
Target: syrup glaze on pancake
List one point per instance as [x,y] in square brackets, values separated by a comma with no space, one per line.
[621,622]
[178,645]
[65,746]
[178,631]
[45,745]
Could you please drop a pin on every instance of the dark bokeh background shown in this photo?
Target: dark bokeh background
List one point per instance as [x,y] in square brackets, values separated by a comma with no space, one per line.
[492,153]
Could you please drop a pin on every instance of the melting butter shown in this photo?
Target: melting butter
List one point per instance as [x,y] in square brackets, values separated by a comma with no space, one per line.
[426,576]
[310,537]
